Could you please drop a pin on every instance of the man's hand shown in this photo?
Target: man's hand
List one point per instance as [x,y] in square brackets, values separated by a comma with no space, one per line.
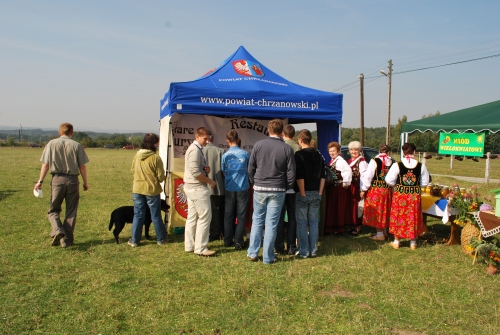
[207,169]
[85,186]
[212,183]
[38,186]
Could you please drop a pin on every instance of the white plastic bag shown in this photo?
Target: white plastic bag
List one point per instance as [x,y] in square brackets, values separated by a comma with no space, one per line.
[361,207]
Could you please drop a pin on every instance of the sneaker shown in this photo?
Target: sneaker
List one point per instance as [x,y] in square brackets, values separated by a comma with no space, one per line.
[302,256]
[292,251]
[132,244]
[238,247]
[297,252]
[395,245]
[161,242]
[313,256]
[56,240]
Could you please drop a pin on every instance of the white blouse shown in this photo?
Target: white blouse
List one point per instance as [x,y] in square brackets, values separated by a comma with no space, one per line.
[392,175]
[344,168]
[367,177]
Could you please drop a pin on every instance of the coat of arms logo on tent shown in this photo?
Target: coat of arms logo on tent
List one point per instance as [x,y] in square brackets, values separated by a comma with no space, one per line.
[248,68]
[180,198]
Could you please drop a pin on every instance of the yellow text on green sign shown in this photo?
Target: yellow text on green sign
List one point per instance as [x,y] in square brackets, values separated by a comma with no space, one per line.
[469,144]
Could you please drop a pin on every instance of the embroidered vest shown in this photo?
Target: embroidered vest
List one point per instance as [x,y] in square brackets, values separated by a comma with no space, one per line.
[337,173]
[409,179]
[355,170]
[380,173]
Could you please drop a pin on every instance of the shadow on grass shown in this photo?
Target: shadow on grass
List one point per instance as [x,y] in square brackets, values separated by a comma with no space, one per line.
[7,193]
[345,243]
[329,245]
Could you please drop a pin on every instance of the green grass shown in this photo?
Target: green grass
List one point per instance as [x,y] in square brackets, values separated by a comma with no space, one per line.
[467,167]
[355,286]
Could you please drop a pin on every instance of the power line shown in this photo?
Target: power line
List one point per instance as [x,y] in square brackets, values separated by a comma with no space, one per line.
[413,70]
[449,50]
[366,82]
[351,83]
[345,80]
[432,67]
[428,57]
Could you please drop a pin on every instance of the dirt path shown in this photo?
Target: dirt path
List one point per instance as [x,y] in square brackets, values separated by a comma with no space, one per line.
[470,179]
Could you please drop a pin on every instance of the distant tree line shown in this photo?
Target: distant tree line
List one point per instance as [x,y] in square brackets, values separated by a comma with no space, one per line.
[374,137]
[425,142]
[118,140]
[89,139]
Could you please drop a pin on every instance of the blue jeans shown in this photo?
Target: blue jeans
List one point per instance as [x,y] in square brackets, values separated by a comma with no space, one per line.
[291,235]
[266,213]
[141,204]
[307,215]
[235,207]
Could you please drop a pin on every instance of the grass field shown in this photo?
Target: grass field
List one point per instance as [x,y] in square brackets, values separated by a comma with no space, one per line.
[355,286]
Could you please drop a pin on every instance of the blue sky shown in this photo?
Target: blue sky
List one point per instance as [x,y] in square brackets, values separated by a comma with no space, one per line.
[106,64]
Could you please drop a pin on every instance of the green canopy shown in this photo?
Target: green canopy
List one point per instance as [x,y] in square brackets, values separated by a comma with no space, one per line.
[476,119]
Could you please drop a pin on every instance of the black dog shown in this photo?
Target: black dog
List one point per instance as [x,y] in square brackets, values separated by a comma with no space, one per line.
[125,214]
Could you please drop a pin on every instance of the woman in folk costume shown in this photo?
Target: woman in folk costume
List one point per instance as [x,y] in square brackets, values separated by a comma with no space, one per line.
[337,194]
[377,193]
[358,165]
[408,176]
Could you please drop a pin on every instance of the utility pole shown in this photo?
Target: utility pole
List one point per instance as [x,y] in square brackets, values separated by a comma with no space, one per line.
[362,109]
[388,135]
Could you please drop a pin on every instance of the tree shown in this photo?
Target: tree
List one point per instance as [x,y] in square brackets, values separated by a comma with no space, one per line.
[10,141]
[88,142]
[427,141]
[492,143]
[396,132]
[136,140]
[119,140]
[80,135]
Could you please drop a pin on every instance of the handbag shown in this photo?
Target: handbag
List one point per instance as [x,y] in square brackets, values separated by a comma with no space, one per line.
[331,177]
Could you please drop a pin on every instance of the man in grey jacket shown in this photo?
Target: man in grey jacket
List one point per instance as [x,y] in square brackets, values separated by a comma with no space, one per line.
[272,171]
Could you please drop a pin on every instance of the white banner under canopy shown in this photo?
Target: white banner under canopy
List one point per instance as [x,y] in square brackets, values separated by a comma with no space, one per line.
[184,130]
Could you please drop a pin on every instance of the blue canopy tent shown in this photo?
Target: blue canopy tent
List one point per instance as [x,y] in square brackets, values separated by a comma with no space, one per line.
[241,86]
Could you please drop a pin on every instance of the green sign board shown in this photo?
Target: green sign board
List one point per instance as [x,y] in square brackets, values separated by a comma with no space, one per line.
[469,144]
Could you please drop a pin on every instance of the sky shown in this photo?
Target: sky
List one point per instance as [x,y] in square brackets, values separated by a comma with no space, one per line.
[105,65]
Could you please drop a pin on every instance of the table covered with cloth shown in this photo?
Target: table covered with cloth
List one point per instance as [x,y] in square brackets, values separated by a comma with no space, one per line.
[438,208]
[435,206]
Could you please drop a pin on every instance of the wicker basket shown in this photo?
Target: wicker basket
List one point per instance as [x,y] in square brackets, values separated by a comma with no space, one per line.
[468,232]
